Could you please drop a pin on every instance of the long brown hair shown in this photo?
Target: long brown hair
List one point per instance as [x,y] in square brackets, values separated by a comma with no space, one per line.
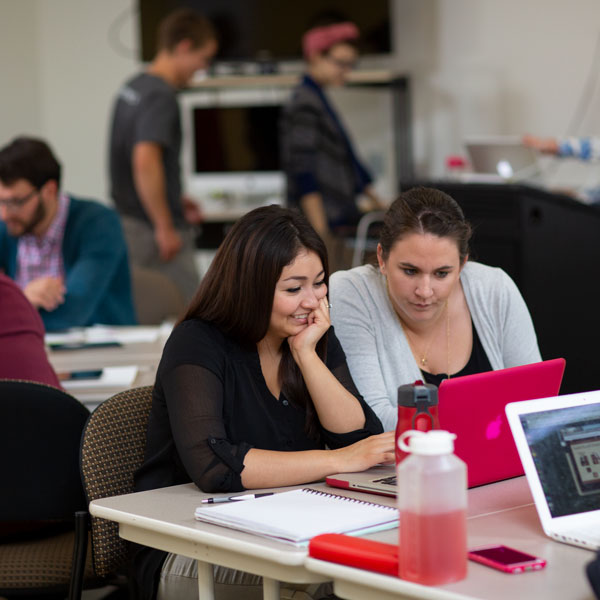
[425,210]
[236,294]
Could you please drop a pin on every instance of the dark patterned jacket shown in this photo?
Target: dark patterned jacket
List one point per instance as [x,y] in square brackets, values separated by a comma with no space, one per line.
[317,155]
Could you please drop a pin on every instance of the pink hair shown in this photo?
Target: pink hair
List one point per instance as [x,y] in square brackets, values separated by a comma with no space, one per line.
[320,39]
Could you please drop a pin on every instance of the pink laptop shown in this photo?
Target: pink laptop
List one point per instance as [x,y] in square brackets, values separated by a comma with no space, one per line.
[473,407]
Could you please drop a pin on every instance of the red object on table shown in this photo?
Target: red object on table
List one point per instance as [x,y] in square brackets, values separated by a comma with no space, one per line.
[355,552]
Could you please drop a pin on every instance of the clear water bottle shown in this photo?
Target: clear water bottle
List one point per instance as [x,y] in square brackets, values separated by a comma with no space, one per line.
[432,500]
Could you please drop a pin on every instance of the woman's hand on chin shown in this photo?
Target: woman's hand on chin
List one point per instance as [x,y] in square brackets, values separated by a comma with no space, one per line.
[306,341]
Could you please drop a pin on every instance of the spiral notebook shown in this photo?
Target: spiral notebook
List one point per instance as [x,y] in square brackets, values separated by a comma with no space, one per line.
[299,515]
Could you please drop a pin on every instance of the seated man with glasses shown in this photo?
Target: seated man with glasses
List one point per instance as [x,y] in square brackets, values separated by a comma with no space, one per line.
[67,255]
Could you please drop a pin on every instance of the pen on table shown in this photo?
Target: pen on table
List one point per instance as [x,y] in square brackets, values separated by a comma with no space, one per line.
[234,498]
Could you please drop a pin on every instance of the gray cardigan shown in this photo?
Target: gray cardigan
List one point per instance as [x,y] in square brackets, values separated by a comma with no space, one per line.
[377,350]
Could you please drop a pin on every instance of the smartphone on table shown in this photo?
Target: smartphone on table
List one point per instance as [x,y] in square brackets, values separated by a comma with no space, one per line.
[506,559]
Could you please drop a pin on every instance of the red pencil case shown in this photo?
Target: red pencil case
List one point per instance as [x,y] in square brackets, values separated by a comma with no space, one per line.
[355,552]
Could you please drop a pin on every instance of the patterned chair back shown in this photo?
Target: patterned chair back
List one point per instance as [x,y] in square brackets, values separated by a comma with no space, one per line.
[112,449]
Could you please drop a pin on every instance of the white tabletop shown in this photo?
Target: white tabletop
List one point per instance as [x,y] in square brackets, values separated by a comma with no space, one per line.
[500,513]
[164,519]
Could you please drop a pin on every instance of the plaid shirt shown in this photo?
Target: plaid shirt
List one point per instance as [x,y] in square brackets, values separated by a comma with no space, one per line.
[42,256]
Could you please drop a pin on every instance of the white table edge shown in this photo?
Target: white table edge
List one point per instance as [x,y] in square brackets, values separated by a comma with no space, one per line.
[184,532]
[385,586]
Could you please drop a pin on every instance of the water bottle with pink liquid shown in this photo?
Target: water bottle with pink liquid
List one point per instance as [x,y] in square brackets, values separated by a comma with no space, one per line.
[432,501]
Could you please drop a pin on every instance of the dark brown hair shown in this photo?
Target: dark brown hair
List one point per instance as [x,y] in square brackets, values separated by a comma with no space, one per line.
[425,210]
[236,294]
[30,159]
[184,24]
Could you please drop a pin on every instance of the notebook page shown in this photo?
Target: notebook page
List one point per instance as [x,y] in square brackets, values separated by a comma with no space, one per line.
[298,515]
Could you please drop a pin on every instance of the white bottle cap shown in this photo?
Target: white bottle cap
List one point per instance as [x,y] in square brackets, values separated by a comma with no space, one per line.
[428,443]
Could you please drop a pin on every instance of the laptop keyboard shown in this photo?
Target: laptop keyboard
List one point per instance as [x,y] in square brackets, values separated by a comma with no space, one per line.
[391,480]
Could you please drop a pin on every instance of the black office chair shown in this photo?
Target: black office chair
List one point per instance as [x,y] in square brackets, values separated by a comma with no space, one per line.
[41,547]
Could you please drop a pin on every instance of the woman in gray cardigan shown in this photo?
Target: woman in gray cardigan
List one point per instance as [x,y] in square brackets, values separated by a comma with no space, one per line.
[426,312]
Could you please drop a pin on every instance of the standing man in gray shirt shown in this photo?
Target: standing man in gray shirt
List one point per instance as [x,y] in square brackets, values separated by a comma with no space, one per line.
[145,144]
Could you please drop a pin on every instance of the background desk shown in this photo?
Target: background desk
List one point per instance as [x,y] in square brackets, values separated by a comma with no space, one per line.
[498,513]
[144,355]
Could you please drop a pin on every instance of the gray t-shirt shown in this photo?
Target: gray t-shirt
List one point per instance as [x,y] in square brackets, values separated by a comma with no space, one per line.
[145,110]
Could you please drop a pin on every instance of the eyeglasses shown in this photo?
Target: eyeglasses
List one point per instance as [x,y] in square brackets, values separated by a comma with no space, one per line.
[17,203]
[346,65]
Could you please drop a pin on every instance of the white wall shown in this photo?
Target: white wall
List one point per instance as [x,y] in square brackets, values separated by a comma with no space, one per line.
[477,66]
[86,50]
[61,62]
[19,70]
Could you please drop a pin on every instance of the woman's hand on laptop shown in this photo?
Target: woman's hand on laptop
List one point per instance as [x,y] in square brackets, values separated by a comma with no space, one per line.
[366,453]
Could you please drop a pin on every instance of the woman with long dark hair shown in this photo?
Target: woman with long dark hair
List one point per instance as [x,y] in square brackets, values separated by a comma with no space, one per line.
[253,390]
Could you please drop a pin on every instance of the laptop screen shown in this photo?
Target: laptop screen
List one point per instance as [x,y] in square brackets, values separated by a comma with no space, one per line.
[565,448]
[503,156]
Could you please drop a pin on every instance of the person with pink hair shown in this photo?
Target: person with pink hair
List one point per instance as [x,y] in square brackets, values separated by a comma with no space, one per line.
[325,177]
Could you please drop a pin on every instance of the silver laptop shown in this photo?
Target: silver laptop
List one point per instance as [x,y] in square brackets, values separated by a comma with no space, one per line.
[558,440]
[380,479]
[502,158]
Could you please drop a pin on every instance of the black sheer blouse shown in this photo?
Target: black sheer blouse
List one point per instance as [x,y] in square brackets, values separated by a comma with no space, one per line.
[211,404]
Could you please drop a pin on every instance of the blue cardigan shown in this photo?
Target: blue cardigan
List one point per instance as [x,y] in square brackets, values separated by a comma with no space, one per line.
[97,274]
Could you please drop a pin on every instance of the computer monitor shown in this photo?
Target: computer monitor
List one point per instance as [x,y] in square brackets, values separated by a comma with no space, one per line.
[231,146]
